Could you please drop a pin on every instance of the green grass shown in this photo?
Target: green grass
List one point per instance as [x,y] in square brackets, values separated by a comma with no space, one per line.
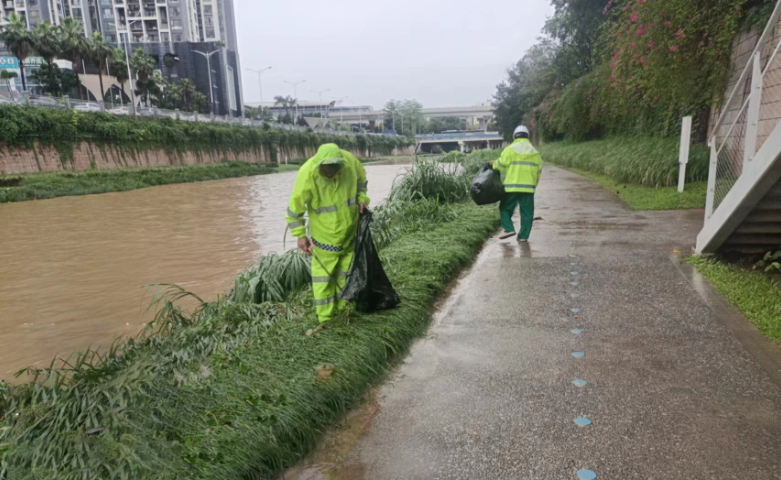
[231,391]
[651,162]
[755,294]
[60,184]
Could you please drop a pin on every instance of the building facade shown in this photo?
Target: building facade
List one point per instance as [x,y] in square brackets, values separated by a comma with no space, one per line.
[173,29]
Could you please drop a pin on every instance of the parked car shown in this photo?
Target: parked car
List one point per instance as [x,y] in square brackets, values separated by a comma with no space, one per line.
[120,111]
[40,101]
[87,107]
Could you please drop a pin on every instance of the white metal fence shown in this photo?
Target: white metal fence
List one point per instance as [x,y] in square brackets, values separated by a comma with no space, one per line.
[142,111]
[749,116]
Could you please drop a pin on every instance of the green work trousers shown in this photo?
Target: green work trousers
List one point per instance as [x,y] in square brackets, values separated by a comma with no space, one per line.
[507,208]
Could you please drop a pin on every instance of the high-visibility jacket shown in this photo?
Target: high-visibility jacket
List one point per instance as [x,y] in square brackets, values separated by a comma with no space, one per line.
[330,203]
[520,166]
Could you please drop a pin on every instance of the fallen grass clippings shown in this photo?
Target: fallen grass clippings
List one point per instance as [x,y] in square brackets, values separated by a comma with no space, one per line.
[756,294]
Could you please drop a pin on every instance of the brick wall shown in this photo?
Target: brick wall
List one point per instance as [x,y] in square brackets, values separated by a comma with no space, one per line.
[87,155]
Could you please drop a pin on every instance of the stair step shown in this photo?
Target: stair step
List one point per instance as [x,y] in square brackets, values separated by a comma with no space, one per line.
[759,228]
[771,239]
[764,216]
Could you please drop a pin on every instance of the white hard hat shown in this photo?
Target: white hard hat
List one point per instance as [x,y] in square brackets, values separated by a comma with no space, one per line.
[520,129]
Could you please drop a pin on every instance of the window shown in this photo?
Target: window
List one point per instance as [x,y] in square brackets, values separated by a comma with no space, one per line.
[208,10]
[231,89]
[210,33]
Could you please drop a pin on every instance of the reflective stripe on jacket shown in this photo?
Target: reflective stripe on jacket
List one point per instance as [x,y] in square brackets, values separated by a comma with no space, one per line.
[330,203]
[520,165]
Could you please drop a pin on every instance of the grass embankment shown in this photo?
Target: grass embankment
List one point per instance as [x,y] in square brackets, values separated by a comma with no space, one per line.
[642,171]
[232,391]
[38,186]
[755,294]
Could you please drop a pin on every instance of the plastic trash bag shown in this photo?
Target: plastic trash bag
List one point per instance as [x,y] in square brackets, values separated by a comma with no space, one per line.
[487,186]
[367,285]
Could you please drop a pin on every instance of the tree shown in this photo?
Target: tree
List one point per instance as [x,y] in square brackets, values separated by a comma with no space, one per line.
[47,41]
[18,40]
[287,103]
[404,116]
[144,66]
[53,80]
[119,67]
[576,26]
[8,75]
[99,52]
[73,45]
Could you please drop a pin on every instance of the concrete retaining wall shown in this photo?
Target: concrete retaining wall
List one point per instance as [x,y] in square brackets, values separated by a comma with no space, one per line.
[86,155]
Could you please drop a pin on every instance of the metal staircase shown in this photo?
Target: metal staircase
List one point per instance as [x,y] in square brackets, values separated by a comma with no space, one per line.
[743,209]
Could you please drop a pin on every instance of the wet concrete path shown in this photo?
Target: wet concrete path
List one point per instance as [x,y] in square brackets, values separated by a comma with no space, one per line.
[496,388]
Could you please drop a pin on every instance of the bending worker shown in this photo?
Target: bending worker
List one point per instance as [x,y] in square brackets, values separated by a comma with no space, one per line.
[520,165]
[331,188]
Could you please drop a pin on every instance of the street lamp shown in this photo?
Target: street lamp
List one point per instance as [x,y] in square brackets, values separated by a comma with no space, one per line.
[260,82]
[208,57]
[295,94]
[129,73]
[341,111]
[320,94]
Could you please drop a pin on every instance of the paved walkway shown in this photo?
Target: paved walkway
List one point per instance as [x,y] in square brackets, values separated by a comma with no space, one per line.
[671,392]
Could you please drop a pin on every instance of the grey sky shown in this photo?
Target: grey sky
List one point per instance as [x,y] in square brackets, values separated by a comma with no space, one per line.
[442,53]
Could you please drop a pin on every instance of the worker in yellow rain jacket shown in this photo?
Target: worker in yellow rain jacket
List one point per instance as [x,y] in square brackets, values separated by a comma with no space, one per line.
[520,166]
[331,189]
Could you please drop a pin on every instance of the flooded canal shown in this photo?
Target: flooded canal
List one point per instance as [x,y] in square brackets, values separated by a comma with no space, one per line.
[73,270]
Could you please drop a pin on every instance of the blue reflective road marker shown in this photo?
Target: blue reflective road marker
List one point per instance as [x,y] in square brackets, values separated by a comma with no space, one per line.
[579,383]
[575,310]
[586,475]
[578,354]
[574,273]
[576,331]
[582,422]
[574,295]
[574,283]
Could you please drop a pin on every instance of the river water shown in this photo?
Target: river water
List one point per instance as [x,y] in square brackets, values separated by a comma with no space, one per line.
[73,270]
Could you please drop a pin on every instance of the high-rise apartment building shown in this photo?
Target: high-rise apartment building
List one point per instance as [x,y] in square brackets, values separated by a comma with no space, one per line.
[162,28]
[146,21]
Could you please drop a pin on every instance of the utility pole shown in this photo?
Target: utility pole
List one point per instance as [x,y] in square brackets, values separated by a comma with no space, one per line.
[129,73]
[208,57]
[320,94]
[295,94]
[341,110]
[260,82]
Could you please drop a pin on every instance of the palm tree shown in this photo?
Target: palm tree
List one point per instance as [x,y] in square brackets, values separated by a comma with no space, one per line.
[73,44]
[144,66]
[46,41]
[100,51]
[119,67]
[285,102]
[18,40]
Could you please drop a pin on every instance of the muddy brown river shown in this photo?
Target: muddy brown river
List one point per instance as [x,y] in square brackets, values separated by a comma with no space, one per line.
[73,270]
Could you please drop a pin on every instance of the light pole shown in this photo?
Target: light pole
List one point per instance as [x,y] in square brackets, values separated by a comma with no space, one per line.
[129,73]
[260,82]
[341,110]
[208,57]
[295,95]
[320,94]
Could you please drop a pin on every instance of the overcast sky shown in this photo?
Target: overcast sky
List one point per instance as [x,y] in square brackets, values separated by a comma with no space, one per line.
[441,53]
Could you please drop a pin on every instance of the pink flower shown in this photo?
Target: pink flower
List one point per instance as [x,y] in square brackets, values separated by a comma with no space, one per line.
[632,45]
[680,34]
[651,45]
[641,2]
[673,48]
[612,64]
[643,60]
[668,24]
[634,17]
[641,31]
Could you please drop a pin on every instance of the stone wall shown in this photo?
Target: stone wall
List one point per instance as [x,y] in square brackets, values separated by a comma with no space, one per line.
[88,155]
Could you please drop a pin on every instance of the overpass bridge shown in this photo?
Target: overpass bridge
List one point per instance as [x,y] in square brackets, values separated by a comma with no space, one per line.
[460,141]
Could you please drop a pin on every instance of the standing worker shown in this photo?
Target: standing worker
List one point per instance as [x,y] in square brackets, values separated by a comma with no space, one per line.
[331,188]
[520,166]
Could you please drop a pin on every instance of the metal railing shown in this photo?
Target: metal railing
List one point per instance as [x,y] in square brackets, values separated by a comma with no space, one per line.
[118,108]
[748,117]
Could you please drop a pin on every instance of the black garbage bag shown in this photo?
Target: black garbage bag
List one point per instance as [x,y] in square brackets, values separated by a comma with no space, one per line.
[487,187]
[367,285]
